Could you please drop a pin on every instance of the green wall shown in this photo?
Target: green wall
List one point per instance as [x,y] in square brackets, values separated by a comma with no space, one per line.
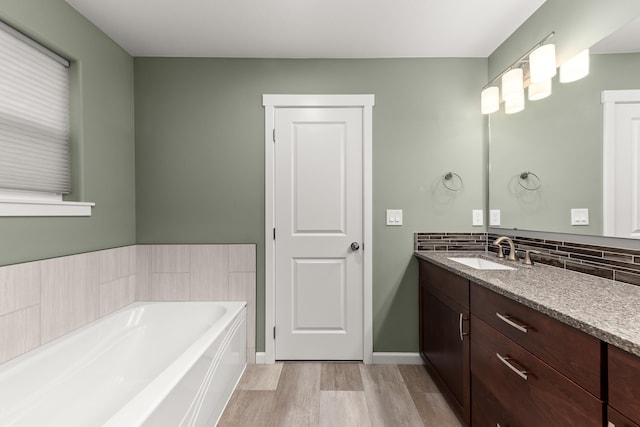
[102,132]
[200,158]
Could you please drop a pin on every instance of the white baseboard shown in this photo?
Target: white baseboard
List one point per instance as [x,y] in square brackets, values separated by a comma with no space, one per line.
[388,358]
[379,358]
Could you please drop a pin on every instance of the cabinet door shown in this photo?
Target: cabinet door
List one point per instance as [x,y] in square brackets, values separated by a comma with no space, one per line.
[616,419]
[624,383]
[446,347]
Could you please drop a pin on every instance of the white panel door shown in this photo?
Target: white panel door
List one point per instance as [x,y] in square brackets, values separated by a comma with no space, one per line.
[318,215]
[627,170]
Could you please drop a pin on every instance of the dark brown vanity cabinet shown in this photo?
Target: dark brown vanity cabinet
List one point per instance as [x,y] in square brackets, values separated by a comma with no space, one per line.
[504,364]
[624,386]
[444,325]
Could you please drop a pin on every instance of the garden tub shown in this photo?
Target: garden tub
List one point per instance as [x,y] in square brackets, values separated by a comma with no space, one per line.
[148,364]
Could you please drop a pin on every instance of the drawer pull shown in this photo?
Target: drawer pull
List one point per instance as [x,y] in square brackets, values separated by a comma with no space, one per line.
[505,360]
[508,321]
[462,334]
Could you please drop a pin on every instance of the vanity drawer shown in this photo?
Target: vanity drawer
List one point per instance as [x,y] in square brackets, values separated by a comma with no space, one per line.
[444,284]
[574,353]
[525,388]
[624,383]
[486,410]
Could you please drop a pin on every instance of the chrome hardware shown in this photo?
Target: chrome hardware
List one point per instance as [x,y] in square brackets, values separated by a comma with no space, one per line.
[462,334]
[506,319]
[505,360]
[527,256]
[512,249]
[355,246]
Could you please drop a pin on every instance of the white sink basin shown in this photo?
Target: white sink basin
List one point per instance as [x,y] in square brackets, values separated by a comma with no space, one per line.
[481,263]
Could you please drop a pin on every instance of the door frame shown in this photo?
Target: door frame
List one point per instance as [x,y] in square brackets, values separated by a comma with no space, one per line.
[609,99]
[270,103]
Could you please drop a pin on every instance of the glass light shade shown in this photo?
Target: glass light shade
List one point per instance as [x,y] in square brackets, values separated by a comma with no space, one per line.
[539,90]
[542,63]
[490,100]
[512,84]
[575,68]
[514,105]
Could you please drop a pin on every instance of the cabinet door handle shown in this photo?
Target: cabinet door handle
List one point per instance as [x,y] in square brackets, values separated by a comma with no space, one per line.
[462,334]
[508,321]
[505,360]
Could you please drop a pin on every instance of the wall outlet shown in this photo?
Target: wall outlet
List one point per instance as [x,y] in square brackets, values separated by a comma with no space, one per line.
[477,217]
[580,216]
[494,217]
[394,216]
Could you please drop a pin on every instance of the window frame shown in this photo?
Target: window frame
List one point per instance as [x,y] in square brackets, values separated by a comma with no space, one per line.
[25,203]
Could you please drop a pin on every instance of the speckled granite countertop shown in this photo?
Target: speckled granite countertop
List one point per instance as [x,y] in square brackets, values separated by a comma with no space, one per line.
[603,308]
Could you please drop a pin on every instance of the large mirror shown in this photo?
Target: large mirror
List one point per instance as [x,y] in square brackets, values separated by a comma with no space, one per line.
[547,160]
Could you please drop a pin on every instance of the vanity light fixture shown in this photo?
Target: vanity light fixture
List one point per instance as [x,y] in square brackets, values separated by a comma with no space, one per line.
[542,63]
[517,76]
[513,84]
[514,105]
[540,90]
[490,100]
[575,68]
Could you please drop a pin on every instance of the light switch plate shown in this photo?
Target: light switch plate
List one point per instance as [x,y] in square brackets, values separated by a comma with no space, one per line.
[580,216]
[477,217]
[394,216]
[494,217]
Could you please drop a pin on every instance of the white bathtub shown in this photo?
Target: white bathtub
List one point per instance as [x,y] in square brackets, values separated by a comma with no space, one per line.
[149,364]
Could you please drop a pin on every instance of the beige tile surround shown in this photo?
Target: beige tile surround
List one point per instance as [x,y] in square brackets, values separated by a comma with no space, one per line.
[43,300]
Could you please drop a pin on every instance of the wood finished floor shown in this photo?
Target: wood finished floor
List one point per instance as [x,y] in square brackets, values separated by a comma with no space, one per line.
[300,394]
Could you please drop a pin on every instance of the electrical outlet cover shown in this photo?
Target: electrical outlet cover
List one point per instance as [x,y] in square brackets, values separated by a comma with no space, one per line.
[494,217]
[477,218]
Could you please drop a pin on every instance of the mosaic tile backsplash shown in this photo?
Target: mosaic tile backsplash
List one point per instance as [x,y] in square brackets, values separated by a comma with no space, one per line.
[450,241]
[622,265]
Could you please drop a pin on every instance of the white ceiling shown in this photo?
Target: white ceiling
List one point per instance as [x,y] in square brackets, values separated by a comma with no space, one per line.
[625,40]
[308,28]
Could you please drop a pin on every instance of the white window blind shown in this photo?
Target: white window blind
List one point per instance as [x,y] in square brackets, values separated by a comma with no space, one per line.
[34,116]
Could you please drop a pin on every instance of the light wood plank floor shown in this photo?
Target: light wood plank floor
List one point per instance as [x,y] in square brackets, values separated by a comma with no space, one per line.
[300,394]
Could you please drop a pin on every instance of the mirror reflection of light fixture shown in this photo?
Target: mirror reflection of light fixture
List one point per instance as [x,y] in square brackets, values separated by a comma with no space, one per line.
[490,100]
[512,84]
[540,90]
[515,78]
[542,63]
[575,68]
[514,105]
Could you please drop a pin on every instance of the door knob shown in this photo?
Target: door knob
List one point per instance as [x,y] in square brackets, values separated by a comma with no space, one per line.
[355,246]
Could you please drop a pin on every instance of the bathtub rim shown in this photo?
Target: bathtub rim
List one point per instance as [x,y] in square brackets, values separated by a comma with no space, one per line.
[138,409]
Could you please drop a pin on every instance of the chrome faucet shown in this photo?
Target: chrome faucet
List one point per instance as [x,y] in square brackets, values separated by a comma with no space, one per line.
[512,249]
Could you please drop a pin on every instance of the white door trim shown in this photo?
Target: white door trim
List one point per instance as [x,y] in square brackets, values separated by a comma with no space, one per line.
[609,100]
[270,103]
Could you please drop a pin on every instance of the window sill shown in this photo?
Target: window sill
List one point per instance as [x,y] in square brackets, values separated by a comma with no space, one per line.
[24,207]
